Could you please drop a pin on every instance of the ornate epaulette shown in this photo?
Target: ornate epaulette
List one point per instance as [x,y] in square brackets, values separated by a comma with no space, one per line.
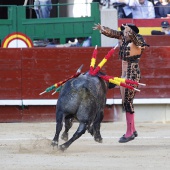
[137,39]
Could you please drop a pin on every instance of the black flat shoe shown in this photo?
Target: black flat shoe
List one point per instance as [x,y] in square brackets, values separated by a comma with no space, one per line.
[123,139]
[135,134]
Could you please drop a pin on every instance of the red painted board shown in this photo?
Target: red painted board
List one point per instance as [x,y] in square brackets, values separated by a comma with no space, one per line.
[158,73]
[9,114]
[39,114]
[10,73]
[48,114]
[143,22]
[155,40]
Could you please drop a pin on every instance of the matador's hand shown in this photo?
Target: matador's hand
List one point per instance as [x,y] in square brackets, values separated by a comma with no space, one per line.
[97,27]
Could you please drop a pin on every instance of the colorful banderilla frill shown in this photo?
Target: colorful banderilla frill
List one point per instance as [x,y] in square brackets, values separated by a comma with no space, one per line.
[101,64]
[94,72]
[121,82]
[115,80]
[93,61]
[57,86]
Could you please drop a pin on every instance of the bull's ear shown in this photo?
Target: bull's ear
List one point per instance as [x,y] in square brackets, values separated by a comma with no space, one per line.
[111,85]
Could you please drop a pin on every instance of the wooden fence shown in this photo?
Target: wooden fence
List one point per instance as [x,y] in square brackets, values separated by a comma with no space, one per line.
[25,72]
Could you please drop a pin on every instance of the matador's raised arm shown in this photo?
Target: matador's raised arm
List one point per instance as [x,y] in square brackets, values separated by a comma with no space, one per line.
[108,31]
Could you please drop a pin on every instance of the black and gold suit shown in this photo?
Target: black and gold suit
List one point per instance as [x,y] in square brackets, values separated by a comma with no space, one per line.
[130,53]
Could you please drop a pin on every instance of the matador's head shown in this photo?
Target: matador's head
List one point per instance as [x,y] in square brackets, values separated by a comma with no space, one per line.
[132,26]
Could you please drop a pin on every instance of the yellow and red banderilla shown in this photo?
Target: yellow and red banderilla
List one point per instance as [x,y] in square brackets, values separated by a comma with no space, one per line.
[93,60]
[59,84]
[121,82]
[115,80]
[94,71]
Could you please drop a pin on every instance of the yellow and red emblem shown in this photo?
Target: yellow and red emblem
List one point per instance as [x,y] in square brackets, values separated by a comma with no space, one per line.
[17,39]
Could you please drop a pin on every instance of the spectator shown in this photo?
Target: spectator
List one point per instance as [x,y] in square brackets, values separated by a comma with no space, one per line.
[142,9]
[97,1]
[162,9]
[82,42]
[154,1]
[124,11]
[53,43]
[165,29]
[42,8]
[137,9]
[121,5]
[105,3]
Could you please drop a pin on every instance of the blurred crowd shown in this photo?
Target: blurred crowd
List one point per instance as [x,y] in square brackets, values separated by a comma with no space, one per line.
[135,9]
[165,29]
[138,9]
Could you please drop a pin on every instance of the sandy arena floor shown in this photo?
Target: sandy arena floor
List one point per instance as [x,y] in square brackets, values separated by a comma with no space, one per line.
[27,146]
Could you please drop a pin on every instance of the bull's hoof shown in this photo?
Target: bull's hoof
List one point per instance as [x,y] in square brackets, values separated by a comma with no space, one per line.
[64,136]
[62,148]
[54,144]
[98,139]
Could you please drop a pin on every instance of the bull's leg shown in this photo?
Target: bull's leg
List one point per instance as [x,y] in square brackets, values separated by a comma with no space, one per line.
[81,130]
[90,129]
[96,127]
[59,125]
[68,125]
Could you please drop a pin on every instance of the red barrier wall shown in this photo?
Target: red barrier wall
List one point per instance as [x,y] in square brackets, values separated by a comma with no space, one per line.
[24,73]
[146,26]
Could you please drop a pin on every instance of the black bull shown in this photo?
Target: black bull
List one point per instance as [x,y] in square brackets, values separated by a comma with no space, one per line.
[82,98]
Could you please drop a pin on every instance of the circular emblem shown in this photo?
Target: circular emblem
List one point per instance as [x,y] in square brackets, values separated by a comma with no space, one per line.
[17,40]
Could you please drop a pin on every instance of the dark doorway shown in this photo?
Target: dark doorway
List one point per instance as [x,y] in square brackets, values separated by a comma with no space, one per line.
[30,13]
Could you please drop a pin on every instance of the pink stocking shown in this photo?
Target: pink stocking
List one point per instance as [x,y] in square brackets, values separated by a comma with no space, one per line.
[130,124]
[134,129]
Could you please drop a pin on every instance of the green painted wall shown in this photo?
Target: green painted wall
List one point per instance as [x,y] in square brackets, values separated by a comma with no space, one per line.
[51,28]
